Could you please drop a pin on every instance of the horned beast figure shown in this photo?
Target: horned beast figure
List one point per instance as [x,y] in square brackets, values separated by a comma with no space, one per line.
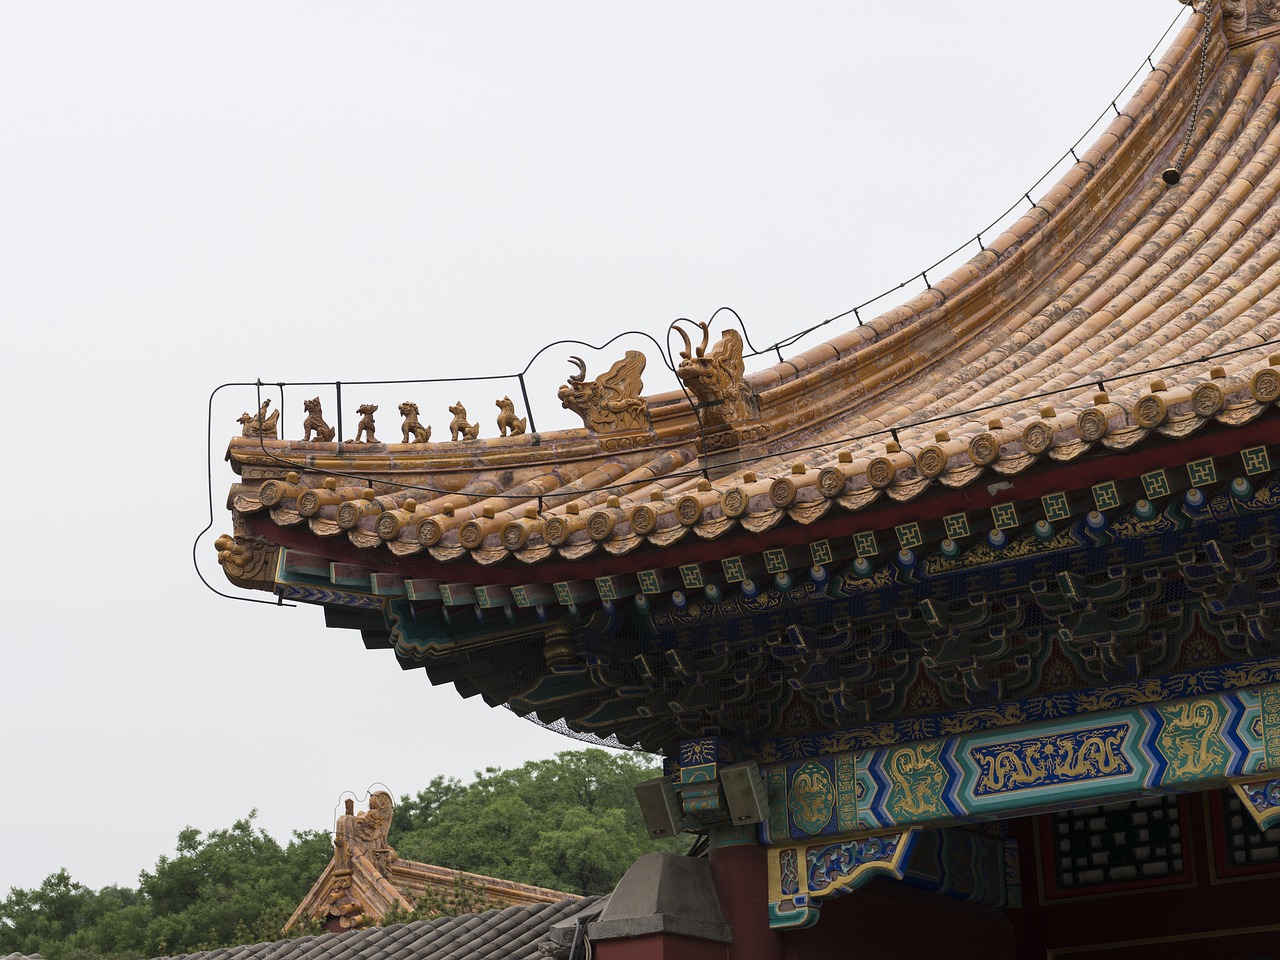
[611,403]
[717,380]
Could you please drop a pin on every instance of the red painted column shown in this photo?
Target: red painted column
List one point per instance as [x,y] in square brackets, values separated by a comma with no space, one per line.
[742,885]
[658,946]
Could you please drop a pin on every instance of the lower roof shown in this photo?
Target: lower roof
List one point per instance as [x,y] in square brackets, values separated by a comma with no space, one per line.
[514,933]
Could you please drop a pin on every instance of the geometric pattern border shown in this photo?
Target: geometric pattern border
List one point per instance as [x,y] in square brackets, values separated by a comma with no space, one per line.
[1259,673]
[1172,746]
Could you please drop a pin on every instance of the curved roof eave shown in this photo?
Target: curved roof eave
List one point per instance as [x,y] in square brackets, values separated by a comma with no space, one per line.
[1117,312]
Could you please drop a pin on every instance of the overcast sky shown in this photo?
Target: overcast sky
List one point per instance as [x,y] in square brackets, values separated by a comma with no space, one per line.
[201,193]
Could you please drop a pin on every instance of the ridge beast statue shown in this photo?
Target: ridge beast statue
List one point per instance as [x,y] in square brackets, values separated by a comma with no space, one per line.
[717,380]
[315,422]
[260,425]
[411,425]
[507,418]
[611,403]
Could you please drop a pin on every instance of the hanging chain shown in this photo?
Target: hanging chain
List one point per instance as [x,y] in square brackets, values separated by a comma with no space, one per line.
[1195,103]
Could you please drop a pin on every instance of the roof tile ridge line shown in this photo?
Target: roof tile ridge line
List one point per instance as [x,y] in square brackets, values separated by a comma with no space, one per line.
[1258,274]
[1251,231]
[585,499]
[583,486]
[1058,298]
[1272,325]
[1265,311]
[489,935]
[1112,264]
[330,944]
[409,943]
[313,894]
[536,929]
[440,872]
[277,948]
[1092,268]
[1148,92]
[398,939]
[1083,385]
[851,354]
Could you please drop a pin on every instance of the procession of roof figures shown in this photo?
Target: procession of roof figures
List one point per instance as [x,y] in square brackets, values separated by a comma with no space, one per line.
[613,402]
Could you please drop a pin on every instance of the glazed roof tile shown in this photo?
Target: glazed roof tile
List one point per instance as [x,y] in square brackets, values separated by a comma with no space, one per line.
[1119,312]
[513,933]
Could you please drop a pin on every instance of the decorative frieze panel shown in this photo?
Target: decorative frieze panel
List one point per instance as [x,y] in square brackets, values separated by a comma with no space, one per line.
[1178,746]
[963,864]
[802,875]
[1261,800]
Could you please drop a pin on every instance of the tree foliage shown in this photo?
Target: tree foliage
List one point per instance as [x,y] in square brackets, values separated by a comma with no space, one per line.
[571,823]
[225,887]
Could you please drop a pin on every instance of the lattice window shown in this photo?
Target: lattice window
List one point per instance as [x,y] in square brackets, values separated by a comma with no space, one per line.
[1138,843]
[1243,848]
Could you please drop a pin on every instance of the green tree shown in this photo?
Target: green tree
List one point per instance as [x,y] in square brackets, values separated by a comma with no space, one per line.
[570,823]
[228,886]
[30,919]
[224,888]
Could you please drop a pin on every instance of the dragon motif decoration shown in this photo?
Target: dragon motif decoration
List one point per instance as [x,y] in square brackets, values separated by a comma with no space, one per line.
[1192,740]
[1245,21]
[365,833]
[717,379]
[247,561]
[612,402]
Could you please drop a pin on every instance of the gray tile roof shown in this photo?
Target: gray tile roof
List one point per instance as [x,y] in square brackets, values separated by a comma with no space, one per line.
[510,934]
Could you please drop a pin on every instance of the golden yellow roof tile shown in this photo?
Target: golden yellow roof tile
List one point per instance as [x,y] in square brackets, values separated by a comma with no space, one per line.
[1109,275]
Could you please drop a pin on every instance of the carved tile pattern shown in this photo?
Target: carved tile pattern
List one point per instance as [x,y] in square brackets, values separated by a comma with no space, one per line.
[1056,507]
[820,551]
[909,535]
[1155,484]
[1005,516]
[956,526]
[1202,472]
[1256,460]
[1105,496]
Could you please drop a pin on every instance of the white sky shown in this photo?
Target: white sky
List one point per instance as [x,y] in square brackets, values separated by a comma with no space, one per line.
[310,191]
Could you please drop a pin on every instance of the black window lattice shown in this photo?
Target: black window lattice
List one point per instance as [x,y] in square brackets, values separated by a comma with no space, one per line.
[1121,843]
[1246,845]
